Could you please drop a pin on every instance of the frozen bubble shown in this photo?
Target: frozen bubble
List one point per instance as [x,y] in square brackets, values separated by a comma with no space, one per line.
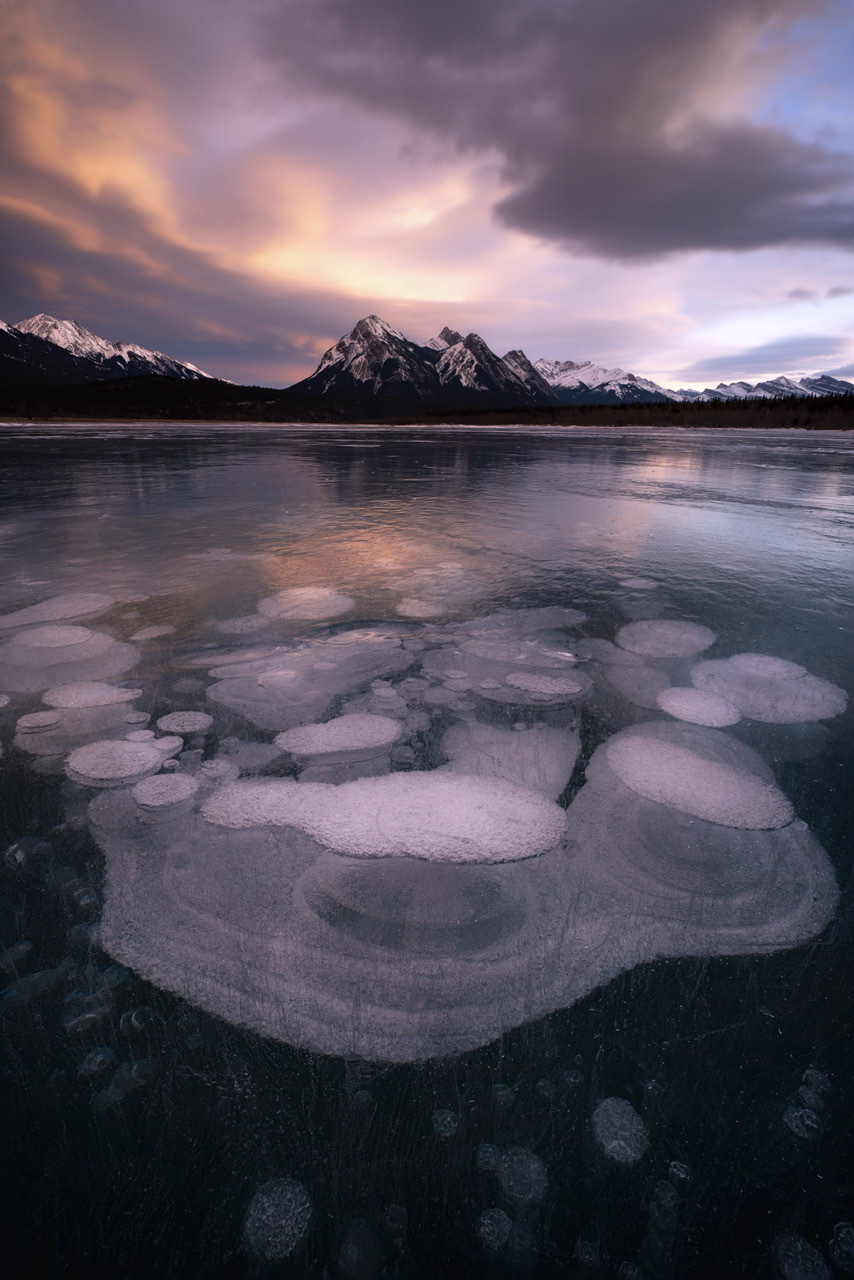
[96,1063]
[243,626]
[540,758]
[113,763]
[546,1088]
[277,1219]
[153,633]
[127,1077]
[798,1260]
[185,722]
[698,707]
[135,717]
[587,1253]
[619,1131]
[573,1077]
[841,1248]
[638,584]
[141,735]
[72,604]
[43,657]
[679,1173]
[817,1080]
[665,638]
[675,775]
[134,1021]
[37,721]
[522,1176]
[770,689]
[168,745]
[487,1158]
[88,693]
[493,1227]
[162,790]
[445,1123]
[551,686]
[434,815]
[4,699]
[313,604]
[803,1122]
[503,1094]
[349,733]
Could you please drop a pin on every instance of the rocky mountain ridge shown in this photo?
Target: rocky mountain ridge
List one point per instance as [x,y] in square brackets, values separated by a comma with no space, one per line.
[48,351]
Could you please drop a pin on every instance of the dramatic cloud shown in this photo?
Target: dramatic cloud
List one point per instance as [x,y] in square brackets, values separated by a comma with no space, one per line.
[624,126]
[804,351]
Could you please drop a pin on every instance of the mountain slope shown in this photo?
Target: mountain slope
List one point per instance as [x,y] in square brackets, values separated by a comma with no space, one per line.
[45,350]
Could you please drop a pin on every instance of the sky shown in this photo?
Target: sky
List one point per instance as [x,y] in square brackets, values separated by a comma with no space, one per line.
[666,186]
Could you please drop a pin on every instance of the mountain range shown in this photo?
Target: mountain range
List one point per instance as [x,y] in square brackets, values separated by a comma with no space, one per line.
[374,360]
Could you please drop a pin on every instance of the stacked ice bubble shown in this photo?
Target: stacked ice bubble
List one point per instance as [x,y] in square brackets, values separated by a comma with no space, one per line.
[398,847]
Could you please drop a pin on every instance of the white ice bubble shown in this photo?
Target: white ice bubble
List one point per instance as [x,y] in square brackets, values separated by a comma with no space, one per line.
[162,790]
[549,686]
[37,721]
[88,693]
[436,816]
[4,699]
[185,722]
[770,689]
[66,607]
[113,763]
[698,707]
[674,775]
[355,732]
[312,604]
[37,659]
[665,638]
[619,1131]
[277,1219]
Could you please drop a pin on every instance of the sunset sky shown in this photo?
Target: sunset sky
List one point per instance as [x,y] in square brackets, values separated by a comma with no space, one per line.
[663,185]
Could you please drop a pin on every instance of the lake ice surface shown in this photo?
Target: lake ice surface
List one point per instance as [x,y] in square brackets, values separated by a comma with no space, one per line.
[639,642]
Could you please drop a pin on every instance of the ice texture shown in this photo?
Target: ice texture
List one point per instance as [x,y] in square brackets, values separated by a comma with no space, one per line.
[665,638]
[434,815]
[165,789]
[68,607]
[277,1218]
[540,758]
[280,690]
[797,1259]
[619,1131]
[640,685]
[37,659]
[675,775]
[770,689]
[309,603]
[113,763]
[698,707]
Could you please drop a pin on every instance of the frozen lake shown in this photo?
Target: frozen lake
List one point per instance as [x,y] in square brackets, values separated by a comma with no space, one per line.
[426,853]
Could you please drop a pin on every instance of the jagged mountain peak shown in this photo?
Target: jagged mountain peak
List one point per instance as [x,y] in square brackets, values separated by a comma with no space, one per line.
[46,349]
[68,334]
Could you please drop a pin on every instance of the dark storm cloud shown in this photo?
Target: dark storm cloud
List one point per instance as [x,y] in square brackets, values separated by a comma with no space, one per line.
[599,109]
[783,353]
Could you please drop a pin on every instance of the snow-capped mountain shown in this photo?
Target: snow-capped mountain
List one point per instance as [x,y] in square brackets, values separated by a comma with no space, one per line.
[376,359]
[820,384]
[46,350]
[589,383]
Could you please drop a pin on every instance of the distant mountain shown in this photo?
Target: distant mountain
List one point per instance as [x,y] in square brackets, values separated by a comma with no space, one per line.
[589,383]
[49,351]
[820,384]
[378,360]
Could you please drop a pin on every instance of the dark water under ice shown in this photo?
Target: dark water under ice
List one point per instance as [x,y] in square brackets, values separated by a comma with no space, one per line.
[141,1126]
